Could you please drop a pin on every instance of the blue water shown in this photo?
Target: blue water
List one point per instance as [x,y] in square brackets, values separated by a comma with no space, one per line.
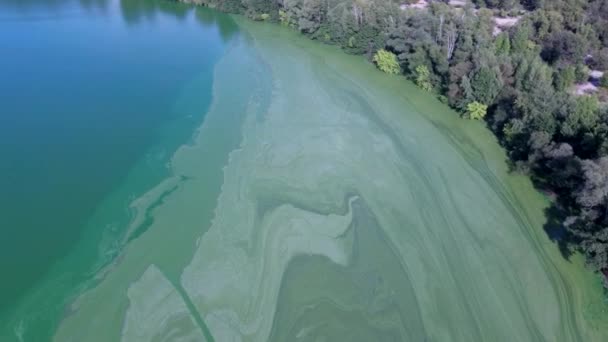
[88,119]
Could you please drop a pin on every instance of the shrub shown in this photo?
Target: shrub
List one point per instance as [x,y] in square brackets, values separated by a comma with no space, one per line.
[283,18]
[476,110]
[387,62]
[423,78]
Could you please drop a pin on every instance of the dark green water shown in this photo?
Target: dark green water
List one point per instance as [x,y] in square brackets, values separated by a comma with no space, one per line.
[90,116]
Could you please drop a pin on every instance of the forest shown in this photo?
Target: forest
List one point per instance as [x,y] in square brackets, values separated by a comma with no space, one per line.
[534,70]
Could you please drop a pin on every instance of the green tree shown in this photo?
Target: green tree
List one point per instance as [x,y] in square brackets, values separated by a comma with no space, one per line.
[604,81]
[582,73]
[521,38]
[467,90]
[502,44]
[284,18]
[423,78]
[565,77]
[583,117]
[387,62]
[536,99]
[476,110]
[564,47]
[486,84]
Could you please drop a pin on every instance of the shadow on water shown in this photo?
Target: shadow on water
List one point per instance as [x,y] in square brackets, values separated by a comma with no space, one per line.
[134,11]
[556,231]
[554,214]
[208,18]
[53,4]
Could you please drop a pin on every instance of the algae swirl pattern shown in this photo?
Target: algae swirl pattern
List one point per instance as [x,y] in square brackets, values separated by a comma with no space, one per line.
[350,212]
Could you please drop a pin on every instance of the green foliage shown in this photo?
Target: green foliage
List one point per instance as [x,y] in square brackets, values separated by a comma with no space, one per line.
[604,81]
[264,16]
[503,44]
[564,47]
[284,18]
[581,73]
[387,62]
[582,117]
[466,90]
[364,40]
[564,78]
[476,110]
[521,39]
[322,34]
[536,101]
[486,84]
[512,130]
[423,78]
[351,42]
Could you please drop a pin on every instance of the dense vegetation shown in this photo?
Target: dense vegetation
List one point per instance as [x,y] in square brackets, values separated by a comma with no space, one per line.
[521,78]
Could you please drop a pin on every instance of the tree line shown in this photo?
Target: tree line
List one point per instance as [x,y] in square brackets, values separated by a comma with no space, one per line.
[520,79]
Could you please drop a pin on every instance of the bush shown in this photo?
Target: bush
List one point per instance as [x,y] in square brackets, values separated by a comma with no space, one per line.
[283,18]
[387,62]
[423,78]
[581,73]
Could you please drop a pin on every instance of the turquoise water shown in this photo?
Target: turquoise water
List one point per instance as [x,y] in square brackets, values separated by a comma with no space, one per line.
[96,96]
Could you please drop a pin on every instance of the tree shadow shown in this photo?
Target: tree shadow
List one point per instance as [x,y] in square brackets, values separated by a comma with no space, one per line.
[556,231]
[555,214]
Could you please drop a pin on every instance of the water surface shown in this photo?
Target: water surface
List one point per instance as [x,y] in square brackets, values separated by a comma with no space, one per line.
[96,96]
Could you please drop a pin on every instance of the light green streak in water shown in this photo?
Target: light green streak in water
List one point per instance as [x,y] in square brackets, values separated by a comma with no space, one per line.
[357,208]
[187,208]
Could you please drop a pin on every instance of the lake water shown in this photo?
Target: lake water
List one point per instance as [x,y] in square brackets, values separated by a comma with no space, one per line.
[172,173]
